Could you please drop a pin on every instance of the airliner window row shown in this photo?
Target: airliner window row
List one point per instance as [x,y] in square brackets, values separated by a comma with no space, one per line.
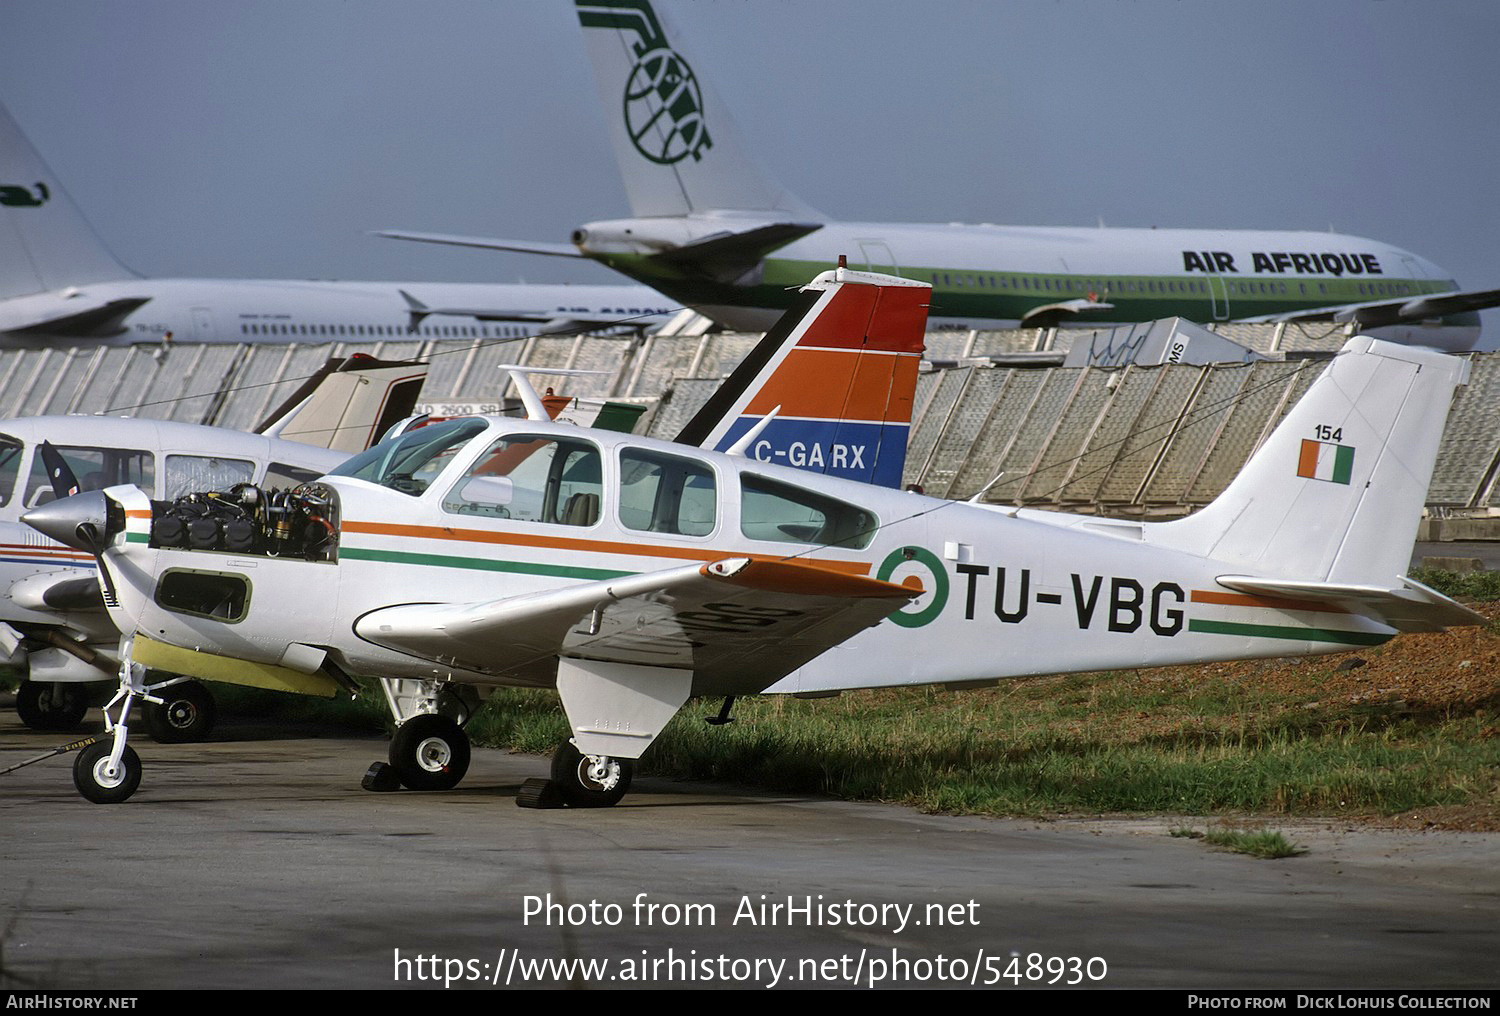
[1102,287]
[392,331]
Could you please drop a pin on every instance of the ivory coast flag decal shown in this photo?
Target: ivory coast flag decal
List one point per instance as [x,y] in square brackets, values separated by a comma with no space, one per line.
[1321,460]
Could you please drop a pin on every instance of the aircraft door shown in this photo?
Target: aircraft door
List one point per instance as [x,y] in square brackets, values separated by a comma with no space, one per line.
[203,324]
[1218,297]
[878,257]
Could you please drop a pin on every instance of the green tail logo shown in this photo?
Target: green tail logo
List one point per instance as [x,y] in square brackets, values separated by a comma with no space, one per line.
[20,197]
[663,103]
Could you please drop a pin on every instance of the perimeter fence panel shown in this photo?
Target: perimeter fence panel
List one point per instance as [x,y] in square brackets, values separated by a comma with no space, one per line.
[923,437]
[1204,409]
[1466,458]
[1111,450]
[998,433]
[956,443]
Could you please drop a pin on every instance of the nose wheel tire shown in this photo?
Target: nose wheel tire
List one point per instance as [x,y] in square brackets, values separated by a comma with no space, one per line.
[187,716]
[98,782]
[590,781]
[48,705]
[430,752]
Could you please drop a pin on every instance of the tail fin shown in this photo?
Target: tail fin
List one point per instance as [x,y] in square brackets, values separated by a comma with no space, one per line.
[842,366]
[348,404]
[1335,495]
[678,149]
[47,243]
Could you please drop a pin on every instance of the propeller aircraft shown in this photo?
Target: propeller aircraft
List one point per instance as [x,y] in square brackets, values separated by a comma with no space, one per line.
[632,574]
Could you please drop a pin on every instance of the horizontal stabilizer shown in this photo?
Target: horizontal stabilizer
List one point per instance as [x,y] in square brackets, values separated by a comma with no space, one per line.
[556,250]
[738,249]
[1415,608]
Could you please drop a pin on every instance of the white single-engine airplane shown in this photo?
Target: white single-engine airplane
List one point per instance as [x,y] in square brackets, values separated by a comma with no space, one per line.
[632,574]
[52,617]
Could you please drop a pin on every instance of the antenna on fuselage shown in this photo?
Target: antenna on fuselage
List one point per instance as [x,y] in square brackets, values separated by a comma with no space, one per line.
[743,444]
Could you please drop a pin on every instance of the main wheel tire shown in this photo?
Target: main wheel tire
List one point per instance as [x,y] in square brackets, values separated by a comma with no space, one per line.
[187,716]
[430,752]
[49,705]
[93,779]
[590,781]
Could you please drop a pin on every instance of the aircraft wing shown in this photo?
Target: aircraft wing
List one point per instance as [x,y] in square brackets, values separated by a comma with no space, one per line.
[1377,313]
[1416,608]
[81,316]
[738,624]
[557,250]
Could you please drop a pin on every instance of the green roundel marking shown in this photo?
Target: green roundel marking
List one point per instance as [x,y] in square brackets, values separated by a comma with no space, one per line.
[937,588]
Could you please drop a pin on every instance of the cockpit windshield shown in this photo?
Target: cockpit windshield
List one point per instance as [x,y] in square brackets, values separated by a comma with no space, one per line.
[409,463]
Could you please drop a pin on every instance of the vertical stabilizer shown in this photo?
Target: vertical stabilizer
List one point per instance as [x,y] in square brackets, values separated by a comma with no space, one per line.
[348,404]
[842,366]
[678,149]
[45,242]
[1336,493]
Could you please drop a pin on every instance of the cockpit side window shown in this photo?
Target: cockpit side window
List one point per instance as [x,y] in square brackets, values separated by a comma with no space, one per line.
[409,463]
[770,510]
[187,473]
[95,468]
[666,493]
[532,479]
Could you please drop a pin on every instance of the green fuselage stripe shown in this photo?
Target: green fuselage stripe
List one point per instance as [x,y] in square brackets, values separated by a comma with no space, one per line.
[977,293]
[479,564]
[1272,631]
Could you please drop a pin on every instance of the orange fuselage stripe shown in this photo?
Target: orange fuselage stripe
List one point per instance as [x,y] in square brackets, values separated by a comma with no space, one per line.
[1275,603]
[584,546]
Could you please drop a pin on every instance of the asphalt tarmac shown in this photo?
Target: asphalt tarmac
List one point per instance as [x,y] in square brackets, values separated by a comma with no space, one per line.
[250,862]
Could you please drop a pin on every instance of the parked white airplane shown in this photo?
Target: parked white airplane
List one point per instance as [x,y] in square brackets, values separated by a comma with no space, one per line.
[710,229]
[52,618]
[59,283]
[632,574]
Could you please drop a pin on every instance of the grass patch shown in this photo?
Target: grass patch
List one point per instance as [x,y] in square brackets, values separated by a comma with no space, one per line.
[1482,586]
[1184,741]
[1263,843]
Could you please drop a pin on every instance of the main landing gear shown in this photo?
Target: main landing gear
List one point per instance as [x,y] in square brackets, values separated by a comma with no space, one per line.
[186,714]
[579,781]
[51,705]
[430,750]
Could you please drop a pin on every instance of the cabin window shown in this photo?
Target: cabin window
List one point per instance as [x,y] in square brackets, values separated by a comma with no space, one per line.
[222,596]
[771,510]
[283,475]
[532,479]
[666,494]
[94,469]
[187,473]
[10,466]
[409,463]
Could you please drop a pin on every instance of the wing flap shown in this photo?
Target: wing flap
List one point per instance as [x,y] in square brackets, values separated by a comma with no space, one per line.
[1416,608]
[1404,310]
[735,622]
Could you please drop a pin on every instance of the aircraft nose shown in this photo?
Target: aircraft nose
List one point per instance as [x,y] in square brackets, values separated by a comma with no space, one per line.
[63,519]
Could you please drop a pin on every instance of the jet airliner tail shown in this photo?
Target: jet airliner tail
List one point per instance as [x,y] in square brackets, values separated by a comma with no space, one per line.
[678,149]
[47,245]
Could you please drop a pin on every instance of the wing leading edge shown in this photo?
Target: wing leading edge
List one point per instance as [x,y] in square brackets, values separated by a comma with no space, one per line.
[738,624]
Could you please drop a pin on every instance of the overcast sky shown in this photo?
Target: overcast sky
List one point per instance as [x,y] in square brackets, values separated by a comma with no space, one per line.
[264,139]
